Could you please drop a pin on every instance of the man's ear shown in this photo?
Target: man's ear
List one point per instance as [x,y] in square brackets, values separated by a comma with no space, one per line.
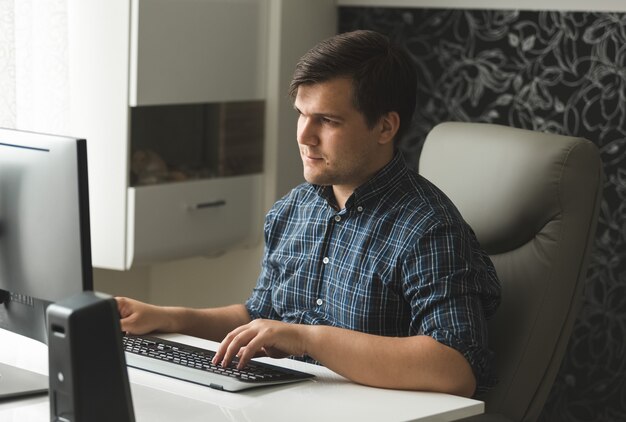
[389,125]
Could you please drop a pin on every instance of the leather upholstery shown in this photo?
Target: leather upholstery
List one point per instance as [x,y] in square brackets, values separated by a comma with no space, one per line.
[532,199]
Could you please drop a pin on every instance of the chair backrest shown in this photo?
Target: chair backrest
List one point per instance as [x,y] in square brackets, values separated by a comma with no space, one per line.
[532,199]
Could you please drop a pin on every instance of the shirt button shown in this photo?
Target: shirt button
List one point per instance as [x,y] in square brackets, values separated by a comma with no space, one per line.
[319,302]
[359,208]
[325,260]
[337,218]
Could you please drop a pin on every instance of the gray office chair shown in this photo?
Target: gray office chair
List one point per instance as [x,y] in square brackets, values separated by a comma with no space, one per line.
[532,199]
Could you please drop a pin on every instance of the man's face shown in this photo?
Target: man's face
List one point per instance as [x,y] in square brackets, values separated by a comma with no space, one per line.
[336,146]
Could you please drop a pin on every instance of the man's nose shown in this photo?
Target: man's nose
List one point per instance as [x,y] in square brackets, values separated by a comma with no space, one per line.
[306,132]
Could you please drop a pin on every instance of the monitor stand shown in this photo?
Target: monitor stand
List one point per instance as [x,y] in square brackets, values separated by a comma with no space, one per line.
[17,382]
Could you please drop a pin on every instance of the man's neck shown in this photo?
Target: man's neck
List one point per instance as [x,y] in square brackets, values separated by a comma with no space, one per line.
[342,193]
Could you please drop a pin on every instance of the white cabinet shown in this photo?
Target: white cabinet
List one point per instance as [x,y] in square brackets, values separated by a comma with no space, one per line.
[190,51]
[125,55]
[180,220]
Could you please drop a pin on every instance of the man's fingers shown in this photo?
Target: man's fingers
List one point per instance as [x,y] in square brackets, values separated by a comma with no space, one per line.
[256,338]
[241,340]
[221,355]
[250,350]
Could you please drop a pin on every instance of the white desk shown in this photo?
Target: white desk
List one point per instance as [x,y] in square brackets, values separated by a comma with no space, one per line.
[329,397]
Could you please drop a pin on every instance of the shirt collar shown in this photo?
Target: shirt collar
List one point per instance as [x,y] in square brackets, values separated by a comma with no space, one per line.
[380,183]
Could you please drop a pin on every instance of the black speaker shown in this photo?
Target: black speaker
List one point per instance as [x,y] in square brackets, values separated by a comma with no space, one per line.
[87,369]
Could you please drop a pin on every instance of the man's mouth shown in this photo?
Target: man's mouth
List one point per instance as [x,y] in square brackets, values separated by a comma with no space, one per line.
[312,157]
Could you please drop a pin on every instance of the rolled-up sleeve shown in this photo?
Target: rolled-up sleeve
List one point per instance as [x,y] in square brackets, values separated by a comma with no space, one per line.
[452,289]
[259,304]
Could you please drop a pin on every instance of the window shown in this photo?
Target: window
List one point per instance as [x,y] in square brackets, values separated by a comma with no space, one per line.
[34,75]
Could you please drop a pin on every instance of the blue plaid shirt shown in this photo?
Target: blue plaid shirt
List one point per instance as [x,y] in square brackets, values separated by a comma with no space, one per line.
[398,260]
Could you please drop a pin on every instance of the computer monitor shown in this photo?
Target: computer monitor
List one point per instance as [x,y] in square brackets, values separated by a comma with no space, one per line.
[45,245]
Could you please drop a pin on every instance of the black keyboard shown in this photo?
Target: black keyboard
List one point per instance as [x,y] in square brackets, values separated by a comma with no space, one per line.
[194,364]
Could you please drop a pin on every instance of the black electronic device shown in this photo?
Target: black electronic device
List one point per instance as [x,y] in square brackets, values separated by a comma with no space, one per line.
[87,368]
[45,246]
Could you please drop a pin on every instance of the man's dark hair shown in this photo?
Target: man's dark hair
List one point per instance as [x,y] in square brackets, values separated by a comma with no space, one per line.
[383,76]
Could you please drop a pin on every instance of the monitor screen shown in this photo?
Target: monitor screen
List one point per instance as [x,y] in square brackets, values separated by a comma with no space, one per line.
[45,246]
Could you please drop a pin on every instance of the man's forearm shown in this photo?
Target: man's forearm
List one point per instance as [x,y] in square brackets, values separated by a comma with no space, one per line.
[211,323]
[413,363]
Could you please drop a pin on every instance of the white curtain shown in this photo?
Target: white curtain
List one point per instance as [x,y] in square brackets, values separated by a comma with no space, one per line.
[34,71]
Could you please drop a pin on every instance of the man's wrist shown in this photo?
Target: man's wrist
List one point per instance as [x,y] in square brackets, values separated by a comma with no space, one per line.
[172,319]
[311,339]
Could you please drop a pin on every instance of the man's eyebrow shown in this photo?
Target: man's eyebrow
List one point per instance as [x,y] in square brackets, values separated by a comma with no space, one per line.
[329,115]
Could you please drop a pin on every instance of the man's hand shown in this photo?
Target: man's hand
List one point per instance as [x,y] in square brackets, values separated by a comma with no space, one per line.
[262,337]
[139,318]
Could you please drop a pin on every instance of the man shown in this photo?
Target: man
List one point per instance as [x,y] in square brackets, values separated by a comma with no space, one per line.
[368,268]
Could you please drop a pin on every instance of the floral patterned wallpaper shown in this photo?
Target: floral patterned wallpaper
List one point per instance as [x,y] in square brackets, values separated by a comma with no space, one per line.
[561,72]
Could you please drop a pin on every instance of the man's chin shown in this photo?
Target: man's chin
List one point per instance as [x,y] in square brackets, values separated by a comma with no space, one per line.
[316,179]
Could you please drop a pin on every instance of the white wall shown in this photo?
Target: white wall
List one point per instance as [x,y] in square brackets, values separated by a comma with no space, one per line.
[133,283]
[206,282]
[295,26]
[197,282]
